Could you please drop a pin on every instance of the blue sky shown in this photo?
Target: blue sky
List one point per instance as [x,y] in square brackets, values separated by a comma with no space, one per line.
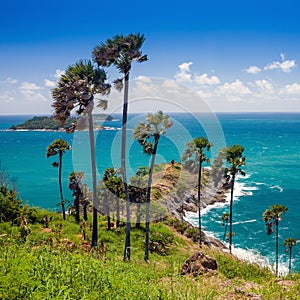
[235,55]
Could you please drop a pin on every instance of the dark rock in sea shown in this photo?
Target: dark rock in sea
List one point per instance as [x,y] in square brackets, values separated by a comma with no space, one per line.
[198,264]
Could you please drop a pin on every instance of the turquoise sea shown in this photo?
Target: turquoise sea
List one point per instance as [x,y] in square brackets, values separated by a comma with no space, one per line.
[272,150]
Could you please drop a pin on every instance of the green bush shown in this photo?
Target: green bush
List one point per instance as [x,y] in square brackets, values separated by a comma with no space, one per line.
[192,232]
[10,205]
[161,240]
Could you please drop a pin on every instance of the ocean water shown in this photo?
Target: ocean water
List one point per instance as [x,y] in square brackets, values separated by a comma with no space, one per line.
[272,150]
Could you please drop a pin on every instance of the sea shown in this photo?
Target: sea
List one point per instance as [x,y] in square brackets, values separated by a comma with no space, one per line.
[272,151]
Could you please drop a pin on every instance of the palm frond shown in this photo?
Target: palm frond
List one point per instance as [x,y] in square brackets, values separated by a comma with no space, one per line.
[118,84]
[102,104]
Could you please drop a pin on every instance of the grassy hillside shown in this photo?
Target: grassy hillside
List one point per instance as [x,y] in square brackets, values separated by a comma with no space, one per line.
[56,263]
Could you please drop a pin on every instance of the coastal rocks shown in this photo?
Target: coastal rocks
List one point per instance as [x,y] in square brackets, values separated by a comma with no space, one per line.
[198,264]
[213,242]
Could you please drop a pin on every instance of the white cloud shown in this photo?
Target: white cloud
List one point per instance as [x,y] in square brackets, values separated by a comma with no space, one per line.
[234,88]
[205,80]
[184,72]
[170,84]
[265,86]
[30,91]
[59,73]
[253,70]
[29,86]
[11,80]
[184,75]
[144,79]
[291,89]
[185,67]
[285,65]
[50,83]
[6,96]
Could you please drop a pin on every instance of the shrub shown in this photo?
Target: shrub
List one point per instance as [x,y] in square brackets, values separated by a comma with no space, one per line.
[10,205]
[191,232]
[161,241]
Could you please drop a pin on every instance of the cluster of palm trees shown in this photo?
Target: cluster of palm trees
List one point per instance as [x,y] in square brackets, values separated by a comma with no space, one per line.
[76,93]
[195,155]
[76,90]
[272,216]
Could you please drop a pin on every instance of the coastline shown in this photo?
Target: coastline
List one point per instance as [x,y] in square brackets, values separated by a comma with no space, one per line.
[56,130]
[245,254]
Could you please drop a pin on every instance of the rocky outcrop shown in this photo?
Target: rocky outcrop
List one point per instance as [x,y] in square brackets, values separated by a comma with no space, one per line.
[198,264]
[179,202]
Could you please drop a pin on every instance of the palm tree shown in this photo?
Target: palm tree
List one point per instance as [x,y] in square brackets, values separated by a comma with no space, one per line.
[225,219]
[148,134]
[138,191]
[290,243]
[114,184]
[234,156]
[121,51]
[194,156]
[75,185]
[217,168]
[76,90]
[272,217]
[59,147]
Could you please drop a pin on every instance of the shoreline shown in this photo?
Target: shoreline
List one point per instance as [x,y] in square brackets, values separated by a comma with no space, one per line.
[250,255]
[57,130]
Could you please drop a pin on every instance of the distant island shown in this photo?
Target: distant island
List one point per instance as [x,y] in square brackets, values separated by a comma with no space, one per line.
[50,123]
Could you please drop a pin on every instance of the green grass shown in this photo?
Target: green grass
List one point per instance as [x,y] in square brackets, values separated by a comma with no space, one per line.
[54,265]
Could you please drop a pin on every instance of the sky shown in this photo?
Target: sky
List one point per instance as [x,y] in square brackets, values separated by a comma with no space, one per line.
[234,56]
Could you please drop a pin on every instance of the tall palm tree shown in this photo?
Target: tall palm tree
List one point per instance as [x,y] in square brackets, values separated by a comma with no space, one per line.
[75,185]
[148,134]
[59,147]
[121,51]
[272,217]
[235,158]
[76,90]
[194,156]
[290,243]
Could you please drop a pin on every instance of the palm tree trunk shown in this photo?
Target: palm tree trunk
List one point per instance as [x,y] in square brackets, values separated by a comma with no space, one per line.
[85,215]
[123,168]
[276,223]
[107,212]
[118,207]
[138,215]
[146,258]
[76,204]
[60,186]
[94,179]
[225,231]
[231,205]
[290,261]
[199,200]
